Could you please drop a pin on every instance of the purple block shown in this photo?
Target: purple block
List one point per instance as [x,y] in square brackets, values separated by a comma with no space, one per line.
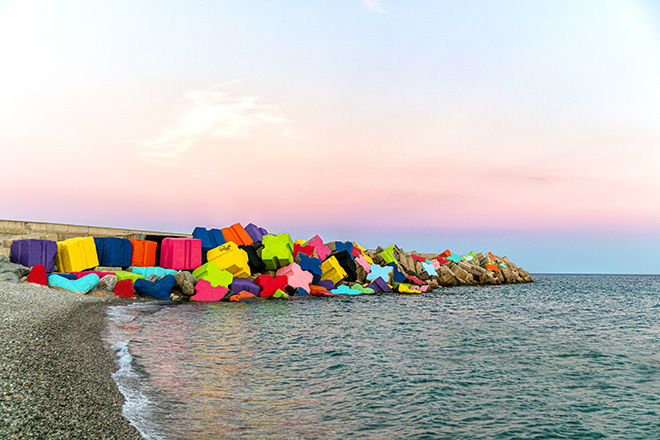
[379,285]
[255,232]
[32,251]
[239,284]
[327,284]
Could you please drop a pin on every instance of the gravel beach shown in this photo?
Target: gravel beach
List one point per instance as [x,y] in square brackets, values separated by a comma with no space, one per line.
[55,372]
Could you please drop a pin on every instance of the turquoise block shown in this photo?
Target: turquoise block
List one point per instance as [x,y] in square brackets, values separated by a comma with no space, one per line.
[148,271]
[81,285]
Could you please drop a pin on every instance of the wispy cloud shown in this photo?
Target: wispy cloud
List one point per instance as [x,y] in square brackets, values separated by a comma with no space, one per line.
[213,113]
[374,5]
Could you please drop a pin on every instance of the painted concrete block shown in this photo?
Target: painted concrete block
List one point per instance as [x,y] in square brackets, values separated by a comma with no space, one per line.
[296,277]
[124,288]
[124,275]
[113,251]
[210,238]
[38,275]
[414,280]
[236,234]
[328,284]
[269,285]
[307,250]
[397,276]
[362,261]
[213,274]
[31,252]
[313,265]
[455,258]
[280,294]
[322,251]
[158,239]
[148,271]
[417,258]
[76,254]
[345,290]
[441,260]
[100,274]
[205,291]
[319,290]
[344,246]
[68,276]
[160,289]
[244,285]
[445,254]
[430,268]
[242,295]
[332,270]
[277,251]
[255,262]
[231,258]
[366,290]
[379,285]
[255,232]
[81,285]
[492,267]
[377,271]
[388,255]
[144,252]
[345,260]
[181,253]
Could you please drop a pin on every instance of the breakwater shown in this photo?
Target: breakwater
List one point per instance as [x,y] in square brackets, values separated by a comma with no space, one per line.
[233,263]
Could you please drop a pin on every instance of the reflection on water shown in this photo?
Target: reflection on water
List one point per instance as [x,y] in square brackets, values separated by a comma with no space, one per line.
[567,356]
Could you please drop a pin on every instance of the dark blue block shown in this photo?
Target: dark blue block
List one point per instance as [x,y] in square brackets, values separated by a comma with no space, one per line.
[113,251]
[344,246]
[397,275]
[211,238]
[160,289]
[68,276]
[311,264]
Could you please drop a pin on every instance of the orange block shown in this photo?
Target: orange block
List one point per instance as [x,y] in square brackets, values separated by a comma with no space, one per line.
[144,252]
[237,234]
[492,267]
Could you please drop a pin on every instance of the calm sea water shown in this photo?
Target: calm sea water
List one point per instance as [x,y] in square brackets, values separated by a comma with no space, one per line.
[569,356]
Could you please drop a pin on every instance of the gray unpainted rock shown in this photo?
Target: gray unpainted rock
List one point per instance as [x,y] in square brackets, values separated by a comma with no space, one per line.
[106,284]
[185,282]
[14,268]
[9,277]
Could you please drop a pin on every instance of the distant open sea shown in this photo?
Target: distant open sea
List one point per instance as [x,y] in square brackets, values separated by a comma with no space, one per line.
[569,356]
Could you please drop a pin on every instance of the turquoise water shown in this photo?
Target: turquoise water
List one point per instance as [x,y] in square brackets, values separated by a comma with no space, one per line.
[569,356]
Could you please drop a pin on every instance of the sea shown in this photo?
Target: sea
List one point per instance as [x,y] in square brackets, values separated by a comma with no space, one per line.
[565,357]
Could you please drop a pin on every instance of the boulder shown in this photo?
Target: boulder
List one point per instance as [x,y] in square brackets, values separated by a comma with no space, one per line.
[106,286]
[17,269]
[185,282]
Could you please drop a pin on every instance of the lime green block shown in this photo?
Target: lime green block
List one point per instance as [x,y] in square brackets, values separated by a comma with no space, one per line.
[388,256]
[277,251]
[280,294]
[363,289]
[214,275]
[124,275]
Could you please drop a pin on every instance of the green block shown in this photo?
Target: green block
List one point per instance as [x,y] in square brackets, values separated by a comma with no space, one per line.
[364,290]
[124,275]
[388,255]
[279,293]
[214,275]
[277,251]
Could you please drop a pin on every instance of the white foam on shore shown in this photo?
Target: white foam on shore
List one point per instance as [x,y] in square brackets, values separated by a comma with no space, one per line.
[121,326]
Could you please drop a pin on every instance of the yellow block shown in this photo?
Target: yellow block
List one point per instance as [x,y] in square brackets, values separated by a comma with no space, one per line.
[332,270]
[366,257]
[76,254]
[231,258]
[300,242]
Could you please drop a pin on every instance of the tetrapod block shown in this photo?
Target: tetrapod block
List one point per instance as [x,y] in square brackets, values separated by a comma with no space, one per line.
[455,258]
[231,258]
[213,274]
[296,277]
[240,284]
[332,270]
[30,252]
[160,289]
[430,268]
[313,265]
[205,291]
[269,285]
[148,271]
[255,232]
[124,289]
[113,251]
[322,251]
[277,251]
[388,255]
[254,260]
[236,234]
[144,252]
[181,253]
[76,254]
[345,290]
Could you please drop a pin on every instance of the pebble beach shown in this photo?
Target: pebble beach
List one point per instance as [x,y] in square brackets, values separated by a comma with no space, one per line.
[55,373]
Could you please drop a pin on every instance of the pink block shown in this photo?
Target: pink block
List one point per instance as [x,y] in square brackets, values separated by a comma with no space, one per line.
[364,263]
[87,272]
[423,288]
[436,264]
[181,253]
[204,291]
[296,277]
[321,249]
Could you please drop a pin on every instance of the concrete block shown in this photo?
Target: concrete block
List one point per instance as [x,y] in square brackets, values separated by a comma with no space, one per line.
[313,265]
[205,291]
[270,285]
[296,277]
[236,234]
[231,258]
[213,274]
[345,260]
[31,252]
[160,289]
[38,275]
[124,288]
[377,271]
[244,285]
[76,254]
[148,271]
[81,285]
[181,253]
[332,270]
[255,262]
[322,251]
[113,251]
[277,251]
[144,252]
[255,232]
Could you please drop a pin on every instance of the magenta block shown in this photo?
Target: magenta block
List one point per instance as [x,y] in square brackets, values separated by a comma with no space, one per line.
[204,291]
[181,253]
[31,252]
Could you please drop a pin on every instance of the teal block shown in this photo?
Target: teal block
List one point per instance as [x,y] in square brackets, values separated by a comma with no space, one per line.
[148,271]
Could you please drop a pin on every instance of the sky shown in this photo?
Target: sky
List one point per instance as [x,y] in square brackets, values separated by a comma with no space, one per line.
[528,128]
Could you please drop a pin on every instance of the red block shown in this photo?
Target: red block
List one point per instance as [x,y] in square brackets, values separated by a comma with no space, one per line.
[181,253]
[124,288]
[307,250]
[269,285]
[38,275]
[441,260]
[415,280]
[237,234]
[144,252]
[417,257]
[356,252]
[445,254]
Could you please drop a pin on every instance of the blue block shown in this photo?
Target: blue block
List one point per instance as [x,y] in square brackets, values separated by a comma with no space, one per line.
[211,238]
[148,271]
[344,246]
[160,289]
[312,265]
[397,275]
[113,251]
